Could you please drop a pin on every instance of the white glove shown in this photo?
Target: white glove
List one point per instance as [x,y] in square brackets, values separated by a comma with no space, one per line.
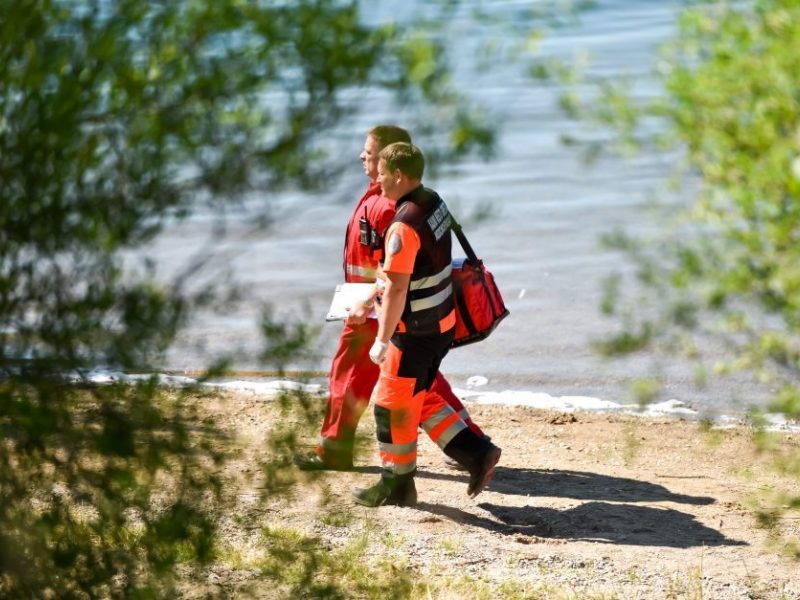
[378,351]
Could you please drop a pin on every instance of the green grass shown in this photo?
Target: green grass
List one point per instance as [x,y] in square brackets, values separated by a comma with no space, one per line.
[450,546]
[633,443]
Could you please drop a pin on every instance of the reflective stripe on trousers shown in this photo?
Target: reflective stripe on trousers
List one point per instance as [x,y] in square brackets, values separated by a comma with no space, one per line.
[400,459]
[407,374]
[397,415]
[443,426]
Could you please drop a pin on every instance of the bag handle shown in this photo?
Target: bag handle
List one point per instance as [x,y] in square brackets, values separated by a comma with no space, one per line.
[477,264]
[462,239]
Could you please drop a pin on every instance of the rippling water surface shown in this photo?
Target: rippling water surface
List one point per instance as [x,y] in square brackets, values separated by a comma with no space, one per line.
[541,240]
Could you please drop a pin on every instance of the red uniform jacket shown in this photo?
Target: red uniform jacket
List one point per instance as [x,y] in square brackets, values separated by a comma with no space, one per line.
[360,261]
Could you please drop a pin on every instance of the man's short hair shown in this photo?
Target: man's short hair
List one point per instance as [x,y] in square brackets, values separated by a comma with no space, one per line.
[406,157]
[389,134]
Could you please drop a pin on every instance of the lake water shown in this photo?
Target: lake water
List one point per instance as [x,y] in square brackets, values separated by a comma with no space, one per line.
[548,209]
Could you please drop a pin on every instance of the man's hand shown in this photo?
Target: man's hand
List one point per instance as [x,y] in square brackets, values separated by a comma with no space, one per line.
[378,351]
[359,312]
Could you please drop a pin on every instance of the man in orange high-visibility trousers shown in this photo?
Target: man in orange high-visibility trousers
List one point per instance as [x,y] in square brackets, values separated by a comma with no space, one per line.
[353,375]
[415,329]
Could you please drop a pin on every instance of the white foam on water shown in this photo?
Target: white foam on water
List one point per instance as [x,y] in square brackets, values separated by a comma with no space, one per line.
[102,376]
[270,389]
[669,407]
[778,422]
[539,400]
[99,376]
[476,381]
[167,380]
[267,388]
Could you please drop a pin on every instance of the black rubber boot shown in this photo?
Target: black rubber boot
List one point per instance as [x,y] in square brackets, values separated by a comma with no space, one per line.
[454,464]
[477,455]
[480,477]
[326,462]
[396,492]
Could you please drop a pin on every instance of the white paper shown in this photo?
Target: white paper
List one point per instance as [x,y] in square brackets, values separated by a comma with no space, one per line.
[345,296]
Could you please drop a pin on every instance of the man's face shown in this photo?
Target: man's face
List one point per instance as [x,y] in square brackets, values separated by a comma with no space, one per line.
[388,180]
[369,157]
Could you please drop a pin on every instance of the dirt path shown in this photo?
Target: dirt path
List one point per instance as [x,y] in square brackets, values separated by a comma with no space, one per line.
[582,506]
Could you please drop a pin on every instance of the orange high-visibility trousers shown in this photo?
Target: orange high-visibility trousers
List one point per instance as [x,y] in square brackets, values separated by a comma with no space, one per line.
[402,397]
[442,411]
[353,377]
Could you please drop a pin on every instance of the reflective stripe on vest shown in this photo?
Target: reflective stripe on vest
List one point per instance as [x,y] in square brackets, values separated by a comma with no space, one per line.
[359,271]
[433,280]
[431,301]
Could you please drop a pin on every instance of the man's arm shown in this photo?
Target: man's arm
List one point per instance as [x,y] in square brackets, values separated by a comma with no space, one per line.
[392,305]
[402,245]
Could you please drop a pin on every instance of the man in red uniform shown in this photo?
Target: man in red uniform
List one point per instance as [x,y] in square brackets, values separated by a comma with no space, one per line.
[415,329]
[353,375]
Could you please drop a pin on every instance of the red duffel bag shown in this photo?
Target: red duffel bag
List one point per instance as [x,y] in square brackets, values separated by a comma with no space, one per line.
[479,305]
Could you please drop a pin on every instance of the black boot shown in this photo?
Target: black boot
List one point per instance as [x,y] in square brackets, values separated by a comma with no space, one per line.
[454,464]
[480,477]
[405,494]
[327,462]
[388,492]
[477,455]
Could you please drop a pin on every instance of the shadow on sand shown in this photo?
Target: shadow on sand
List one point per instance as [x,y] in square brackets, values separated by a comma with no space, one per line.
[593,521]
[580,485]
[608,516]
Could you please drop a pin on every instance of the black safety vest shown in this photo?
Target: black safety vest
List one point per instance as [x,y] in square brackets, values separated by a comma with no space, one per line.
[430,292]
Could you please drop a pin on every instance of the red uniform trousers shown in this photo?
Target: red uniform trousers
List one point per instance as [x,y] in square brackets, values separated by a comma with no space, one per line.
[352,378]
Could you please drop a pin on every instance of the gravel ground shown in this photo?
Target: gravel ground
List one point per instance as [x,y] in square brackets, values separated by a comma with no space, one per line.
[581,506]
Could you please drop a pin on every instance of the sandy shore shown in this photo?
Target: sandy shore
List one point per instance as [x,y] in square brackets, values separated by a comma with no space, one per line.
[582,506]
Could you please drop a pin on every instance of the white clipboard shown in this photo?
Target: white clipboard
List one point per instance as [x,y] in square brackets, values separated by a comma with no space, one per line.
[345,296]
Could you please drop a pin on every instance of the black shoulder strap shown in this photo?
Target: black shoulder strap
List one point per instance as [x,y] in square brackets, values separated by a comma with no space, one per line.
[462,239]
